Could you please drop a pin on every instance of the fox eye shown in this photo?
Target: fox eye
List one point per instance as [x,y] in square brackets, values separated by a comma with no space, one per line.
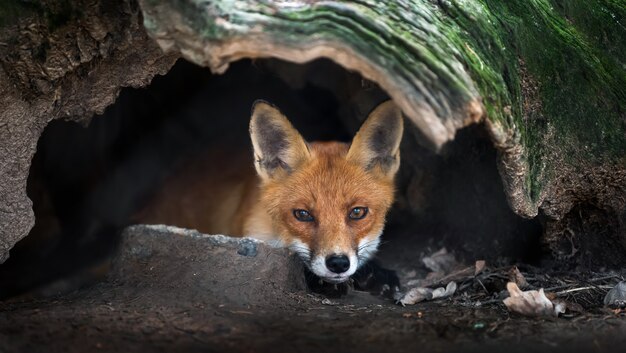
[358,213]
[303,215]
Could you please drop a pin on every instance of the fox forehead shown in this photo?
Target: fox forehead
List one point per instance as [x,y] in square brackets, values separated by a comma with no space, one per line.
[328,180]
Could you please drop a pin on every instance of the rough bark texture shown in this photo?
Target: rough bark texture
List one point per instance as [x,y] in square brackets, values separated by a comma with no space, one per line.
[64,60]
[548,77]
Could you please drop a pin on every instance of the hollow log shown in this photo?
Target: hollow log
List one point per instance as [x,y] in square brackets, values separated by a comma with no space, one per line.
[546,78]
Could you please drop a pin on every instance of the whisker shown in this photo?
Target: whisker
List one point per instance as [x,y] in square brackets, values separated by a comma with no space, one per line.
[302,251]
[368,244]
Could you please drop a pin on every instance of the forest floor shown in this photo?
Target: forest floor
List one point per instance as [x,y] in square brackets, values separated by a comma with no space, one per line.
[172,290]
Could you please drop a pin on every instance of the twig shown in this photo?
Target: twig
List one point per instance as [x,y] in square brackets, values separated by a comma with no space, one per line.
[581,289]
[482,285]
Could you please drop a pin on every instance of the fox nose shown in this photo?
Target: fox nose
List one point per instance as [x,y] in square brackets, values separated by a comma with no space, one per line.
[338,263]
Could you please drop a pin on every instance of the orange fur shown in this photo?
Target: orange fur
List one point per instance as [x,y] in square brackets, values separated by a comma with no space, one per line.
[327,179]
[211,195]
[329,186]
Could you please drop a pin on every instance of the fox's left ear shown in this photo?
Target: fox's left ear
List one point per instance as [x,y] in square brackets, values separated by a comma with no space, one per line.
[376,145]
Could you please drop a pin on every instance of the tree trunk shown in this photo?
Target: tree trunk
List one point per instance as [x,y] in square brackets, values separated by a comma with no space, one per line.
[547,78]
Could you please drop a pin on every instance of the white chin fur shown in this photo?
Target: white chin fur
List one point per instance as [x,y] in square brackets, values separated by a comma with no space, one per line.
[318,266]
[367,248]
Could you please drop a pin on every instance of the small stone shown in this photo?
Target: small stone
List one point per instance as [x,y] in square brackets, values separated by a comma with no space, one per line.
[478,326]
[247,248]
[616,297]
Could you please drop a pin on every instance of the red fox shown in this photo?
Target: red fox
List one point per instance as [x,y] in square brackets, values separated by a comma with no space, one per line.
[325,200]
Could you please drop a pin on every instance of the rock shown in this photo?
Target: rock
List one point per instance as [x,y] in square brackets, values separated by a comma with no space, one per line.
[171,261]
[616,297]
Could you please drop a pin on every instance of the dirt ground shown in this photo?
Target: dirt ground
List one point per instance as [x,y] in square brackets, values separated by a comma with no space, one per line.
[176,290]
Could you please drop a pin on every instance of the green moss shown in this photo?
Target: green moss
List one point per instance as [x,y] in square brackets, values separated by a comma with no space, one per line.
[574,51]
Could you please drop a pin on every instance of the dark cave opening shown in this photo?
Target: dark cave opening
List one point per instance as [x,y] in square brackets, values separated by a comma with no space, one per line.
[86,183]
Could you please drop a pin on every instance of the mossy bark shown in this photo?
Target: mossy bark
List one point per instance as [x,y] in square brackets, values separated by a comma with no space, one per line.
[546,77]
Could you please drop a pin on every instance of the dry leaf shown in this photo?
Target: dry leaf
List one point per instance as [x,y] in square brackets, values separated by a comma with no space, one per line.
[616,297]
[445,292]
[479,267]
[416,295]
[530,303]
[516,276]
[560,306]
[419,294]
[328,302]
[440,261]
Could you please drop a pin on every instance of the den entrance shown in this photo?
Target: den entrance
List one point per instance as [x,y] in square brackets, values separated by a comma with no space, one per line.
[88,183]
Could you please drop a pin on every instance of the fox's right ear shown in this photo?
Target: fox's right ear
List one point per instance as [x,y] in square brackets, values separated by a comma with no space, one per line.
[278,146]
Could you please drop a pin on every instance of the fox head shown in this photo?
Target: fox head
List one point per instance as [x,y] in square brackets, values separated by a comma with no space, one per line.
[327,200]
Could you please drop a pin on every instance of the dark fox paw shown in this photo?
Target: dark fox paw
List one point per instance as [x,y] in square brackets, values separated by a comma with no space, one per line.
[374,278]
[371,277]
